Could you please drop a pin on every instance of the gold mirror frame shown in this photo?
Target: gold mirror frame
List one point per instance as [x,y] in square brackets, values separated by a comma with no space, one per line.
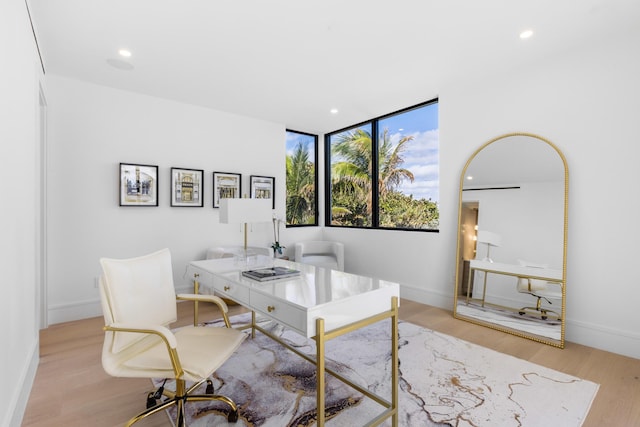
[459,258]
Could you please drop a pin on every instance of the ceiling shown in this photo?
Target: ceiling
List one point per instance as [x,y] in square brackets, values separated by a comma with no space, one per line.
[291,61]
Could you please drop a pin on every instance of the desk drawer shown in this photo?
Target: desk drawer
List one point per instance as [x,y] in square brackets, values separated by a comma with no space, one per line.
[280,311]
[228,288]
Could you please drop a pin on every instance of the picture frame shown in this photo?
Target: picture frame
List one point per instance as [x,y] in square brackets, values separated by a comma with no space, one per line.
[263,187]
[226,185]
[138,184]
[187,187]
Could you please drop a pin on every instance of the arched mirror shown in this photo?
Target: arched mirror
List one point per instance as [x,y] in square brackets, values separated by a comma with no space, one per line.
[512,238]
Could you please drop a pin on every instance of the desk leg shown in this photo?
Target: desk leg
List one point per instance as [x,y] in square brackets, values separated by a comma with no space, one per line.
[253,324]
[394,361]
[484,287]
[320,384]
[196,290]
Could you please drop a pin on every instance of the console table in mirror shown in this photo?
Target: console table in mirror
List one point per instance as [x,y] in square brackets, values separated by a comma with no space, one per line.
[512,238]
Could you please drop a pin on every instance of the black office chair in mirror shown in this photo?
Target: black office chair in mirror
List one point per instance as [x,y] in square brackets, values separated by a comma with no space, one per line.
[512,238]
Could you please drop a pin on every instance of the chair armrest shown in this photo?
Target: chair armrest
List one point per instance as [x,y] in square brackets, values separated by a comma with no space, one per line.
[164,333]
[205,298]
[167,336]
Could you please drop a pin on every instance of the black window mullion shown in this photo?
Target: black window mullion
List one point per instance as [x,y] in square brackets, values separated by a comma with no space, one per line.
[327,180]
[375,174]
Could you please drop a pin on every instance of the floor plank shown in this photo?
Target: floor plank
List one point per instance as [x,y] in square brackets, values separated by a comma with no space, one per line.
[71,388]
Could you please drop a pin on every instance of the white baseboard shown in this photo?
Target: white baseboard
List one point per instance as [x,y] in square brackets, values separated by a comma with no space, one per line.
[74,311]
[85,309]
[428,297]
[626,343]
[18,402]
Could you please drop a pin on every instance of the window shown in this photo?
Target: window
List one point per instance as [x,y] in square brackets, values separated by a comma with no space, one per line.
[302,181]
[384,173]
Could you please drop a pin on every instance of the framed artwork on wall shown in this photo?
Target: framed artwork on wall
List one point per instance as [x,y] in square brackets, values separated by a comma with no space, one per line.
[138,185]
[187,187]
[226,185]
[263,187]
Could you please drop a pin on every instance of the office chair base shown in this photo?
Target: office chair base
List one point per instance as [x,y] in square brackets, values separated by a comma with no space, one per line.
[179,399]
[538,309]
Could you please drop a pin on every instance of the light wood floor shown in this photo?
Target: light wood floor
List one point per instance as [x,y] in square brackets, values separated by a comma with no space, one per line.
[71,388]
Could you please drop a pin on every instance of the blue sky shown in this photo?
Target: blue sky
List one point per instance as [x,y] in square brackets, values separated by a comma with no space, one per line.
[421,154]
[294,138]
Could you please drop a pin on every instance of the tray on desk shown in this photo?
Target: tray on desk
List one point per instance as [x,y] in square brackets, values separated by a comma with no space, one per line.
[273,273]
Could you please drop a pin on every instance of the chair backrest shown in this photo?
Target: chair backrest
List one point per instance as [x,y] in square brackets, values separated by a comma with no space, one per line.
[531,285]
[307,251]
[139,291]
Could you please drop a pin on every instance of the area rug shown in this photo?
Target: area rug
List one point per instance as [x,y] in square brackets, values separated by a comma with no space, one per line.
[444,381]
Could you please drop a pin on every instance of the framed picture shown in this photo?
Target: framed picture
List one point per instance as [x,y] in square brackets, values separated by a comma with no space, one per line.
[138,185]
[187,187]
[226,185]
[263,187]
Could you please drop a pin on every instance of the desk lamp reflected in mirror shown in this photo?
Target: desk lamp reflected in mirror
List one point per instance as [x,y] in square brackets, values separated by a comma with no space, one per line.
[490,239]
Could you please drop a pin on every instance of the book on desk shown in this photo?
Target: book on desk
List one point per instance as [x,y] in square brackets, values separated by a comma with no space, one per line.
[274,273]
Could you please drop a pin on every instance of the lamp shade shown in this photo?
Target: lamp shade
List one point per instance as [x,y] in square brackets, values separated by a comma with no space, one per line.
[237,211]
[489,238]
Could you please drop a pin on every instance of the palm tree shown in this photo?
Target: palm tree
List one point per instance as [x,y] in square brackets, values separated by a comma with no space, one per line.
[352,173]
[300,186]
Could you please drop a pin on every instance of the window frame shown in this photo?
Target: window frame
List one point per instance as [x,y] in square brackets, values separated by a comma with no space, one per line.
[375,199]
[315,182]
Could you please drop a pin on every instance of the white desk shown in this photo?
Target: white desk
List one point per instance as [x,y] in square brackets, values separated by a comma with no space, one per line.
[548,274]
[320,303]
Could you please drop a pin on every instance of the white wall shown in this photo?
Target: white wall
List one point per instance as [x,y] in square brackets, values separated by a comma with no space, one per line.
[586,101]
[92,129]
[19,75]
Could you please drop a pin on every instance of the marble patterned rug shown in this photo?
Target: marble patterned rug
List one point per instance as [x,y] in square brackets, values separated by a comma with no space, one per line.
[444,381]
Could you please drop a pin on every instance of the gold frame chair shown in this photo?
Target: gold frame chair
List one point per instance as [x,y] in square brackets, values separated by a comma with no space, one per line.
[139,303]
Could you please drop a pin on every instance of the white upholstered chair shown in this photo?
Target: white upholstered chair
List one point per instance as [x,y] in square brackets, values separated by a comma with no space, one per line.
[139,304]
[321,253]
[540,289]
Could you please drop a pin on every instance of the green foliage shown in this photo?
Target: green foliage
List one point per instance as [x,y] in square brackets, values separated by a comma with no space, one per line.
[300,187]
[351,192]
[398,210]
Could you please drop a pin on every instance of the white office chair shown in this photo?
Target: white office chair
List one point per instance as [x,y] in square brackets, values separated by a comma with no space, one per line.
[541,289]
[321,253]
[139,304]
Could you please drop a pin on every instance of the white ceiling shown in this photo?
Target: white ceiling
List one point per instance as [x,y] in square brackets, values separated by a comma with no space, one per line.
[291,61]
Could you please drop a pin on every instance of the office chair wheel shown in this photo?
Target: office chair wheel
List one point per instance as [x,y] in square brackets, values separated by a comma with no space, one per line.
[543,317]
[521,313]
[151,400]
[232,417]
[209,389]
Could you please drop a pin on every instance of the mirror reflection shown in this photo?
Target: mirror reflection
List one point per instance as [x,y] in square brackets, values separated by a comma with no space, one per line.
[512,238]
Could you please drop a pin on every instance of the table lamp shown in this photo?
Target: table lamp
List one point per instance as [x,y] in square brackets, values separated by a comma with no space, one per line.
[490,239]
[245,211]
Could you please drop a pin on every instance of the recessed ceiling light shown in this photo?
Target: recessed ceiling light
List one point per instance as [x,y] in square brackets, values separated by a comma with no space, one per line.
[526,34]
[469,177]
[125,53]
[334,111]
